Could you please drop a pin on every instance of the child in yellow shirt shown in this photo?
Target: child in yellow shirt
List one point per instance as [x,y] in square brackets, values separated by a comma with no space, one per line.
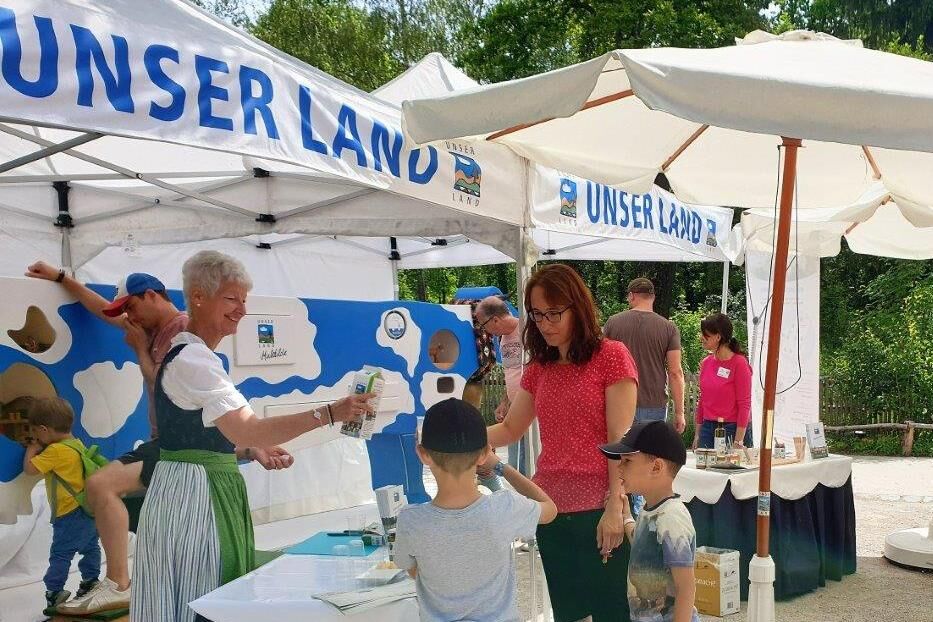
[73,530]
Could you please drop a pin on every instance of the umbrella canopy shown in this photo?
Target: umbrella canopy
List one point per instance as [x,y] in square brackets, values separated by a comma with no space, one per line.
[712,121]
[872,226]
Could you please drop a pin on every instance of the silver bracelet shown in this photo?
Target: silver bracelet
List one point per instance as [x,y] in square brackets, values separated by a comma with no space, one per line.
[330,414]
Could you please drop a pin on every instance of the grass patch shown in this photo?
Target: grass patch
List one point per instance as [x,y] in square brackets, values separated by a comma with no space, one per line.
[879,443]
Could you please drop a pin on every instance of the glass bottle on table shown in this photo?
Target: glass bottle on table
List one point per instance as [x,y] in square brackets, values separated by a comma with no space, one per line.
[719,439]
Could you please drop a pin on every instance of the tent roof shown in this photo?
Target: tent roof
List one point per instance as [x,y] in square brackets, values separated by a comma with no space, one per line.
[857,110]
[180,181]
[872,226]
[432,76]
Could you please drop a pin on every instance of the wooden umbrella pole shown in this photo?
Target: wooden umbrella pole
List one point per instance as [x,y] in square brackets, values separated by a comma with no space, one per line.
[788,179]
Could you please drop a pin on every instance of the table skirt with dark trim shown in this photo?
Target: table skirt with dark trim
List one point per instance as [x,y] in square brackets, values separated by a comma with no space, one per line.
[812,538]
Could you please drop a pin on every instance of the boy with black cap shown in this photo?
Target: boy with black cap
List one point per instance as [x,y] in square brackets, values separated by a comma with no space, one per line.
[458,546]
[661,582]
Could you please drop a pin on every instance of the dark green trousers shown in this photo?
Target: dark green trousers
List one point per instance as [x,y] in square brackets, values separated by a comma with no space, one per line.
[579,584]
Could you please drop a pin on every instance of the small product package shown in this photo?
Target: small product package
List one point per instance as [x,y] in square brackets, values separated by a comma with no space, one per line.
[367,380]
[390,500]
[717,581]
[816,438]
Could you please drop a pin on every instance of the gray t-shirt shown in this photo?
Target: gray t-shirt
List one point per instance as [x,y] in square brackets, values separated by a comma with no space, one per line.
[464,558]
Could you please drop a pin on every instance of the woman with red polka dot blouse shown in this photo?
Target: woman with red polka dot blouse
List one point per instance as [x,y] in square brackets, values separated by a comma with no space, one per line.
[583,390]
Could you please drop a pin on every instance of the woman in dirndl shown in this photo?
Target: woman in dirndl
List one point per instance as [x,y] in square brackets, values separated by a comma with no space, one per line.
[195,531]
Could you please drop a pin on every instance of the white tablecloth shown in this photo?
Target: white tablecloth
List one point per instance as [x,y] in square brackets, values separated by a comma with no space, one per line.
[281,591]
[788,481]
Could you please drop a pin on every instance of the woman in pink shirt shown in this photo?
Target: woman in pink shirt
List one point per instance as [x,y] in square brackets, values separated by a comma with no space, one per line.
[582,388]
[725,385]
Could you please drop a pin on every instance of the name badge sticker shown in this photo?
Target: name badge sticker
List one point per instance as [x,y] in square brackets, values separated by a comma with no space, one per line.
[723,372]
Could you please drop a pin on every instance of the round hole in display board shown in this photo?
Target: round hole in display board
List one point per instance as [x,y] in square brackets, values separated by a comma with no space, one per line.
[444,349]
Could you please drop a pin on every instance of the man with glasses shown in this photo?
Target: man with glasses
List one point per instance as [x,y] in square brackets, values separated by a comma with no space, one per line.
[495,318]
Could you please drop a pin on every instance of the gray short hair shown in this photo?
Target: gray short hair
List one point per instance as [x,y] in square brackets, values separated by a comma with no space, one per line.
[209,270]
[492,306]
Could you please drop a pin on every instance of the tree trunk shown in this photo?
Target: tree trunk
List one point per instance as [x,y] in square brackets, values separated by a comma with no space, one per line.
[664,287]
[422,288]
[661,274]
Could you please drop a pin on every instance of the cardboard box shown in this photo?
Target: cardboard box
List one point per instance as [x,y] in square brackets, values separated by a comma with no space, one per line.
[717,579]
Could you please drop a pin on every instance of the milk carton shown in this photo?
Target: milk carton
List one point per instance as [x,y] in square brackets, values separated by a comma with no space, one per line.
[717,581]
[368,380]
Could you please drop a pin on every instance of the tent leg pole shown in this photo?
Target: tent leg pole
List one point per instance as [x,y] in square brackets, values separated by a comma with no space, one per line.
[66,252]
[531,438]
[522,273]
[394,257]
[64,222]
[761,570]
[725,287]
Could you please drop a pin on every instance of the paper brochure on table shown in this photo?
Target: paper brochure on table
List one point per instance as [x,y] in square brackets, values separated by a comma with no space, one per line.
[366,599]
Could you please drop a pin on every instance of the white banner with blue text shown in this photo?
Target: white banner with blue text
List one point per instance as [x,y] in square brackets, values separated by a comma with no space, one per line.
[569,204]
[165,70]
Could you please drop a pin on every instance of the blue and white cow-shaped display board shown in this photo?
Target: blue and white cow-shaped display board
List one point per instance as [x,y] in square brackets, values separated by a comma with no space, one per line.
[288,355]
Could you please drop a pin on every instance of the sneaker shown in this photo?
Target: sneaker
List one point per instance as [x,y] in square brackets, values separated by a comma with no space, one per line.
[103,597]
[85,587]
[54,599]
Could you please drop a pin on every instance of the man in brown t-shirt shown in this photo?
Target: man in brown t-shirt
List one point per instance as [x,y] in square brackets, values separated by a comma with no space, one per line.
[654,342]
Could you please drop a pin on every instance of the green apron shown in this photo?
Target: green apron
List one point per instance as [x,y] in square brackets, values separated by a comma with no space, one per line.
[231,508]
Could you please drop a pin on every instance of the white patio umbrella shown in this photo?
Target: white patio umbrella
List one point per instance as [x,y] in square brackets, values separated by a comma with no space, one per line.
[712,121]
[717,122]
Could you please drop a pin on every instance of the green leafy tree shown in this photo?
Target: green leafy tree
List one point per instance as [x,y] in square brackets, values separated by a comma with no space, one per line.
[234,11]
[418,27]
[900,26]
[336,36]
[609,24]
[518,38]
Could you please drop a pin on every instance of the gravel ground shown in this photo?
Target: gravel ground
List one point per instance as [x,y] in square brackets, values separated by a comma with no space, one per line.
[890,494]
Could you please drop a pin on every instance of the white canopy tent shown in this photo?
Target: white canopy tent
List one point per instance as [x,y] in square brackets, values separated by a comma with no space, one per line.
[192,130]
[432,76]
[89,178]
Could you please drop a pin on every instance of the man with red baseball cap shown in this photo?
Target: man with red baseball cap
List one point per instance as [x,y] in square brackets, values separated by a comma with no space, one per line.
[141,307]
[135,284]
